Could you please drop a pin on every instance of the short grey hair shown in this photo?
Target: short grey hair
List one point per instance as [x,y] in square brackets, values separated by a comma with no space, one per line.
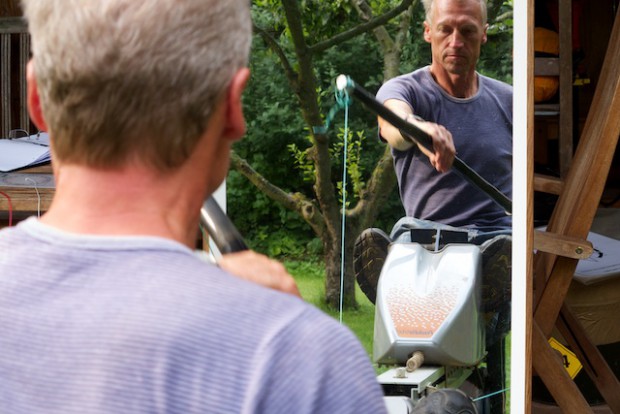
[121,80]
[428,9]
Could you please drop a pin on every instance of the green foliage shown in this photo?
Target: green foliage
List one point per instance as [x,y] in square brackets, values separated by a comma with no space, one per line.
[303,162]
[273,122]
[268,13]
[267,227]
[323,19]
[416,52]
[277,141]
[496,55]
[355,170]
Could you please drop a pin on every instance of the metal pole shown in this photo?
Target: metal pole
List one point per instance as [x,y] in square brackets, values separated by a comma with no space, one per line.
[219,227]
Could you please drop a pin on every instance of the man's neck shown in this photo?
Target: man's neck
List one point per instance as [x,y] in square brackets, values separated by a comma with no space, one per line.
[134,201]
[458,85]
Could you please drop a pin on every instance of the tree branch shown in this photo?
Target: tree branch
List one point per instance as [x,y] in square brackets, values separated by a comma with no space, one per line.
[504,16]
[382,179]
[365,12]
[295,25]
[290,73]
[296,202]
[403,26]
[308,100]
[391,47]
[362,28]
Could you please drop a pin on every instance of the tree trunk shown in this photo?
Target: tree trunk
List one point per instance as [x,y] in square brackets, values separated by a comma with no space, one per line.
[335,281]
[303,82]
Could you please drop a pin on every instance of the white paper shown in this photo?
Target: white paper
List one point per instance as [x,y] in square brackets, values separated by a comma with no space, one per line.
[604,263]
[24,152]
[41,138]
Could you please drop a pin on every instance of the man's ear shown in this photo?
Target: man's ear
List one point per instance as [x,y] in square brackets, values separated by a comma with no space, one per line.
[235,121]
[34,103]
[484,33]
[427,32]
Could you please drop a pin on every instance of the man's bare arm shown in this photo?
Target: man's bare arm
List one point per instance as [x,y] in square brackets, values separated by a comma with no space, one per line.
[443,145]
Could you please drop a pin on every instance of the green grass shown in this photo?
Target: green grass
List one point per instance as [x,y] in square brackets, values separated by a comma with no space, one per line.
[310,278]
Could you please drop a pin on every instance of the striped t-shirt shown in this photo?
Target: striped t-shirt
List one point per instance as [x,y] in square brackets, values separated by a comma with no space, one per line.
[102,324]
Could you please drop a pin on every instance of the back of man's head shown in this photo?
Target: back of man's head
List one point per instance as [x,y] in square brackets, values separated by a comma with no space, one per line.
[126,79]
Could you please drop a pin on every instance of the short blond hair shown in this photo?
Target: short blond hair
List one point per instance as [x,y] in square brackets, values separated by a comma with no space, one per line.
[121,80]
[428,9]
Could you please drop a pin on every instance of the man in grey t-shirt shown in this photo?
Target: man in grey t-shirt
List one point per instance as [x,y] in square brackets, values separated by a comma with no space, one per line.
[465,113]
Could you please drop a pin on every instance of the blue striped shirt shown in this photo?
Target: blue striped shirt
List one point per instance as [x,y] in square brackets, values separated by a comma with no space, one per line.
[102,324]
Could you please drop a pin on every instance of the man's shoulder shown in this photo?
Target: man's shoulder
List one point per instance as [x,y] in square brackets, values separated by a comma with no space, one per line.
[416,76]
[496,85]
[408,86]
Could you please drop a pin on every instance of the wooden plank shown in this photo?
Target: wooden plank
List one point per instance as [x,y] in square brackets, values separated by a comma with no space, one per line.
[548,184]
[13,25]
[24,57]
[14,56]
[566,86]
[561,245]
[26,199]
[547,109]
[10,8]
[529,240]
[553,292]
[546,66]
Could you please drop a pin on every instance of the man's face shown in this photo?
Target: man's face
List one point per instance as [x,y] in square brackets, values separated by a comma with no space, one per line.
[455,34]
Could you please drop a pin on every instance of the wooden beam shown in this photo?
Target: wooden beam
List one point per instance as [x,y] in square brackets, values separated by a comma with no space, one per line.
[548,184]
[529,239]
[13,25]
[561,245]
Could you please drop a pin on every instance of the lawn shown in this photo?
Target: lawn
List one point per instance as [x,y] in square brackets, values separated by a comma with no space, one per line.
[310,278]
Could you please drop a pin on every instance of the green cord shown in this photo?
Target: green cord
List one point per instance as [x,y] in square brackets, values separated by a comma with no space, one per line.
[342,101]
[490,395]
